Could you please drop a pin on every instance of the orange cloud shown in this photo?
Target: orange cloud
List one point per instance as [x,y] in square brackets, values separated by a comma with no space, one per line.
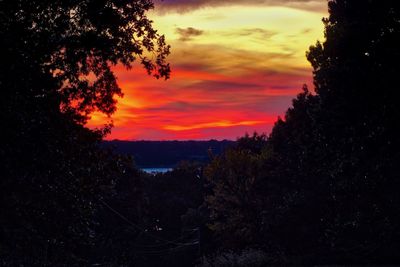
[229,76]
[198,105]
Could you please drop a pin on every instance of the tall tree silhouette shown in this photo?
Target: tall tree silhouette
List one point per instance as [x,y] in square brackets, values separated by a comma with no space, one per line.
[354,76]
[329,185]
[56,70]
[347,150]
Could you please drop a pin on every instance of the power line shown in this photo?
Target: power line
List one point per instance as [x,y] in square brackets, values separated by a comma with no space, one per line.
[144,231]
[173,242]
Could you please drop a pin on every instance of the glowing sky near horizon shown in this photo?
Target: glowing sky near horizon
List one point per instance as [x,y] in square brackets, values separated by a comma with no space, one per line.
[236,65]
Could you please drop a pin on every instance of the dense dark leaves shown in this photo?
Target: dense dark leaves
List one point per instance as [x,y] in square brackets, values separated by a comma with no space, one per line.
[76,42]
[327,188]
[232,179]
[56,69]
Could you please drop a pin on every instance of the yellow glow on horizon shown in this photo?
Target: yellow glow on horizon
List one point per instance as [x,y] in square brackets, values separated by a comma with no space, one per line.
[211,125]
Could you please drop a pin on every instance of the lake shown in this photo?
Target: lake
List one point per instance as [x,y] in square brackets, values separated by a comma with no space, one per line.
[156,170]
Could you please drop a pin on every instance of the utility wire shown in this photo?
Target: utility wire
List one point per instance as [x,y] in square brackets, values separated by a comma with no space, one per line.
[166,241]
[173,242]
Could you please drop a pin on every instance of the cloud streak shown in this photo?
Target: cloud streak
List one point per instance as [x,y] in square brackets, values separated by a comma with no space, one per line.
[183,6]
[235,69]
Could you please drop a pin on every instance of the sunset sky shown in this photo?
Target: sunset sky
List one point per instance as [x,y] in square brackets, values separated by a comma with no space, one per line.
[236,65]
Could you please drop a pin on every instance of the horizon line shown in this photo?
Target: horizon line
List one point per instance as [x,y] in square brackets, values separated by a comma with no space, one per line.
[170,140]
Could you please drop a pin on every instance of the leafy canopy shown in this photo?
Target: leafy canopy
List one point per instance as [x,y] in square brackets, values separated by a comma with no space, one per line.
[76,42]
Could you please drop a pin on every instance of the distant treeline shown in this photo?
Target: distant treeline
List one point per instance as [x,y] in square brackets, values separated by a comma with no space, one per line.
[169,153]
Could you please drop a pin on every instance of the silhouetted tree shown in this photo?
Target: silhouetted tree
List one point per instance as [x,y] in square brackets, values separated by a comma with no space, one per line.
[346,143]
[73,44]
[56,59]
[354,76]
[233,207]
[329,181]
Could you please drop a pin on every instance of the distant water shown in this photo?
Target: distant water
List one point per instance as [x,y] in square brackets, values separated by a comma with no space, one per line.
[157,170]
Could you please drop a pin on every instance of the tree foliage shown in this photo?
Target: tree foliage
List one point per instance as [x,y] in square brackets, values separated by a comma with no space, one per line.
[328,184]
[55,70]
[73,44]
[232,205]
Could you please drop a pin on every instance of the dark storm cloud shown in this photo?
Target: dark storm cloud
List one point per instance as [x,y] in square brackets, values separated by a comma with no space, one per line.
[188,5]
[188,33]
